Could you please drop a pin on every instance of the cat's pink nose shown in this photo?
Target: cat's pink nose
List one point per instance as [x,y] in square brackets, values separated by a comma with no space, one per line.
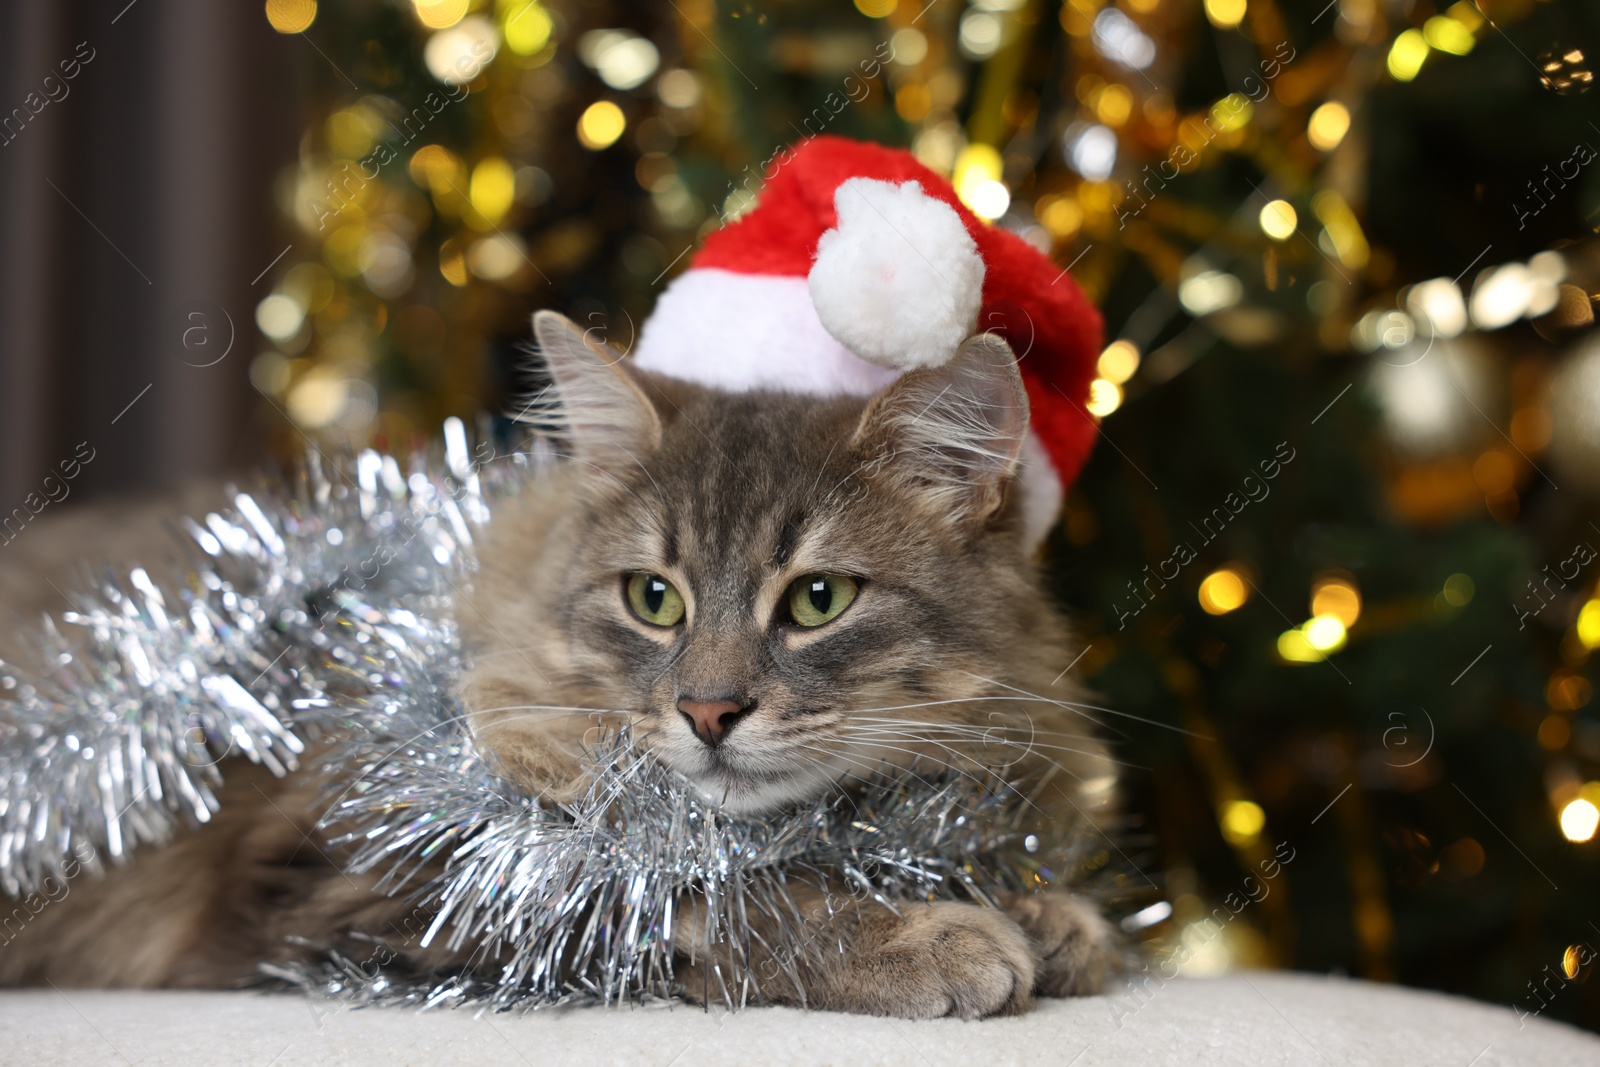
[711,719]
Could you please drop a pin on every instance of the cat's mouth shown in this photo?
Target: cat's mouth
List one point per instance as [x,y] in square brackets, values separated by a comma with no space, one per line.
[732,782]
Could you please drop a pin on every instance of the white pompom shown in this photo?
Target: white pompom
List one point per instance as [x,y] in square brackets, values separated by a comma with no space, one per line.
[898,281]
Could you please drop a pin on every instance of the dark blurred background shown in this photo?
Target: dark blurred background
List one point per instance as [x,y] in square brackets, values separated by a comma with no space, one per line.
[1334,558]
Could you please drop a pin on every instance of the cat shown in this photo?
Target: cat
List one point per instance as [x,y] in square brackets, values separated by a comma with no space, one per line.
[782,595]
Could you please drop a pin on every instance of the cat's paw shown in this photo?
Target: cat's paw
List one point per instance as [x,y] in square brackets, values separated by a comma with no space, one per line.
[1071,939]
[941,959]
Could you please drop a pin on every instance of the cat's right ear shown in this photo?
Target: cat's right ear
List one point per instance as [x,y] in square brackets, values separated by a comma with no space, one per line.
[955,430]
[593,401]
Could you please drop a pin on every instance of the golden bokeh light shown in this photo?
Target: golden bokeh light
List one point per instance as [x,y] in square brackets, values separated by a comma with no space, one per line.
[493,189]
[1223,591]
[1579,820]
[1554,733]
[976,164]
[1232,112]
[1225,14]
[1337,596]
[1588,625]
[1328,125]
[453,263]
[1568,692]
[318,397]
[527,29]
[601,123]
[436,167]
[1407,54]
[279,317]
[988,199]
[1325,633]
[1113,105]
[1278,220]
[1118,362]
[1061,215]
[876,9]
[291,16]
[1294,648]
[1343,229]
[440,14]
[1447,34]
[1104,397]
[1242,822]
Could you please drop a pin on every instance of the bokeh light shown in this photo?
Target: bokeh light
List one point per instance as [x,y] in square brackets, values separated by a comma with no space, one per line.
[1278,220]
[600,125]
[493,189]
[1407,54]
[527,29]
[1242,821]
[1225,14]
[1104,397]
[291,16]
[440,14]
[1118,361]
[1337,596]
[1328,125]
[1223,591]
[1579,820]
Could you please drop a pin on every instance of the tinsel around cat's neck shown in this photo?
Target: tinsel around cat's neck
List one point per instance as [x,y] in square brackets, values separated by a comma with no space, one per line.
[323,612]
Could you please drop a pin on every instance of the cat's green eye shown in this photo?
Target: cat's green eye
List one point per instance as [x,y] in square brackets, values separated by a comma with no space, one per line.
[654,599]
[819,598]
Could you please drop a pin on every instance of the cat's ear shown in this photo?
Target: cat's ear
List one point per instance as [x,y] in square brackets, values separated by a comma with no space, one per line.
[593,401]
[956,429]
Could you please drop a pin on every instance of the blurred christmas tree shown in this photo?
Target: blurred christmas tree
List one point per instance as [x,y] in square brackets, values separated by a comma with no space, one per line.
[1334,553]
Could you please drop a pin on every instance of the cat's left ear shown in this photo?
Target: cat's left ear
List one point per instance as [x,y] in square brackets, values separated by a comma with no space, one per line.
[956,429]
[593,400]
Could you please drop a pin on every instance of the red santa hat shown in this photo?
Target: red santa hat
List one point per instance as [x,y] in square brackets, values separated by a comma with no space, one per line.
[859,263]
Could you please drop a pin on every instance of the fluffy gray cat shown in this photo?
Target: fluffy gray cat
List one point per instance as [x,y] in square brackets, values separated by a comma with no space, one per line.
[782,595]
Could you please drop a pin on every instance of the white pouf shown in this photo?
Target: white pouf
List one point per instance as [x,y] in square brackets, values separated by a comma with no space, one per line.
[1261,1018]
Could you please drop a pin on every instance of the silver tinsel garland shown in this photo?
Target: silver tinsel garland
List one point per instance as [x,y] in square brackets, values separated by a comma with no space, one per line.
[325,612]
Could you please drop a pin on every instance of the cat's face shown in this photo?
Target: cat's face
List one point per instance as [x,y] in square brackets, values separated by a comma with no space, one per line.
[781,591]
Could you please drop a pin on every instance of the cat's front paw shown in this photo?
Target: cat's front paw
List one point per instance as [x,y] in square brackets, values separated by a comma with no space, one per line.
[1071,939]
[941,959]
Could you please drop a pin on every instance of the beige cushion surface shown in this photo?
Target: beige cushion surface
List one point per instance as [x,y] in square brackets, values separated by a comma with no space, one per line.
[1260,1018]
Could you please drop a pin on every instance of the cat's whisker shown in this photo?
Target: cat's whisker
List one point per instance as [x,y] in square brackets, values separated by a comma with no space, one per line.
[1020,697]
[547,707]
[976,729]
[884,765]
[993,775]
[937,762]
[1026,746]
[967,757]
[1075,706]
[870,768]
[994,723]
